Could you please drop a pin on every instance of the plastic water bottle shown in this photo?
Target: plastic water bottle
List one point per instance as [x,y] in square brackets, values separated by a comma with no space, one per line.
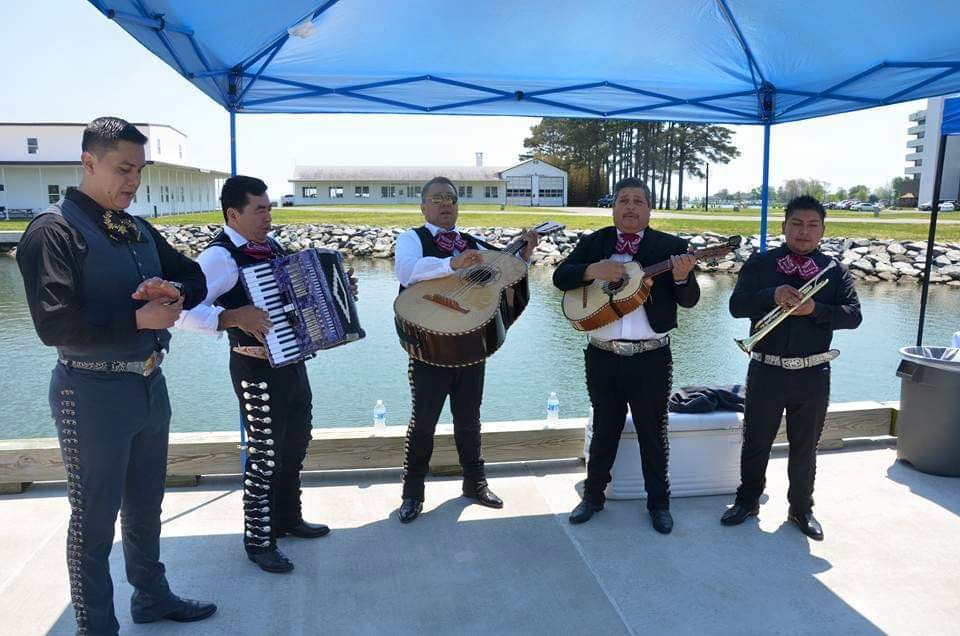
[553,407]
[379,416]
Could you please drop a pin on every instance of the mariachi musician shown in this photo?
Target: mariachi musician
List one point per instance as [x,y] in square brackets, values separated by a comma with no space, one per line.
[276,403]
[628,362]
[435,250]
[790,368]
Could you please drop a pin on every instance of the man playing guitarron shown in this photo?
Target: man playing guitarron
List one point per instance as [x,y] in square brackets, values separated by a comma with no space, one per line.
[434,250]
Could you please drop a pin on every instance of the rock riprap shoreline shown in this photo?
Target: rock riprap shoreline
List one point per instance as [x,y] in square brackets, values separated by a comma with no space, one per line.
[869,260]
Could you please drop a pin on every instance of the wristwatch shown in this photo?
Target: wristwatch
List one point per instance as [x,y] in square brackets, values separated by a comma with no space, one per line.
[179,287]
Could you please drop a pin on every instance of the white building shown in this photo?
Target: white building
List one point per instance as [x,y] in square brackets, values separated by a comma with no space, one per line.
[531,183]
[39,161]
[923,145]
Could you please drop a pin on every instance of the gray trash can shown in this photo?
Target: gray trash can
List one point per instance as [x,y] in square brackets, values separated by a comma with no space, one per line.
[928,427]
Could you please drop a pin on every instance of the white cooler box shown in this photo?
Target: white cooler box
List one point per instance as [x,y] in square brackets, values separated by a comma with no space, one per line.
[704,456]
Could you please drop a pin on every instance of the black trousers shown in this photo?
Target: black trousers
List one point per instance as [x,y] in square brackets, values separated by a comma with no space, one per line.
[429,387]
[643,382]
[276,407]
[113,432]
[803,394]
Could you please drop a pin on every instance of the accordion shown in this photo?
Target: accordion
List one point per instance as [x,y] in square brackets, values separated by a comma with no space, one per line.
[307,296]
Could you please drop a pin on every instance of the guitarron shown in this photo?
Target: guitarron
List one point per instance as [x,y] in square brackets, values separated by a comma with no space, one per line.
[462,319]
[603,302]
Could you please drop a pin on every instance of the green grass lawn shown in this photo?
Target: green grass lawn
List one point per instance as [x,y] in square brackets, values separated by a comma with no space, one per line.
[835,225]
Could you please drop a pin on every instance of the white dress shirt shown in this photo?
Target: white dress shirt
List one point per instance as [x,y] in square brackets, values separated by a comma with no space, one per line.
[222,274]
[633,326]
[411,266]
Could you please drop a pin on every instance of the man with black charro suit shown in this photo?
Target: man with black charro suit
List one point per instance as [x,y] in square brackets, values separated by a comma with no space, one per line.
[434,250]
[628,362]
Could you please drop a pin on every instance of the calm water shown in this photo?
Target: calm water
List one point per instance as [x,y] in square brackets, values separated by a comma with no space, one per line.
[542,354]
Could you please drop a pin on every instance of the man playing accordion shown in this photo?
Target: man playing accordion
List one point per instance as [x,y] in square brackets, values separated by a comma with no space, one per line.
[275,403]
[790,368]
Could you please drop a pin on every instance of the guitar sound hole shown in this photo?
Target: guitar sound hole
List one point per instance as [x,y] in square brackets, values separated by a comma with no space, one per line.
[614,287]
[481,275]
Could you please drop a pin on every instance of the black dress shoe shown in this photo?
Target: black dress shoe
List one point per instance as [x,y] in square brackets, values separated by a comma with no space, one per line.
[409,509]
[272,561]
[584,511]
[186,611]
[484,496]
[306,530]
[808,524]
[737,514]
[662,521]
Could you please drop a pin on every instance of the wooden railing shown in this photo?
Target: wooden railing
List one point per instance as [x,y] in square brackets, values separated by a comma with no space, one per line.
[195,454]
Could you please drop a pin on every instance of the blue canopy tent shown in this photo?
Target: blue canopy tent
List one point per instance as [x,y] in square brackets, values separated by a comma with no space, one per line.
[758,62]
[950,125]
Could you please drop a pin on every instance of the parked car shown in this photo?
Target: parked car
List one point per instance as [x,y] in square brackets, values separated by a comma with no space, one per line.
[605,201]
[865,207]
[286,200]
[945,206]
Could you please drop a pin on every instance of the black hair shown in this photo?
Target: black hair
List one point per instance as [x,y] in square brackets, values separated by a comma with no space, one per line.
[804,202]
[435,181]
[633,182]
[235,190]
[104,133]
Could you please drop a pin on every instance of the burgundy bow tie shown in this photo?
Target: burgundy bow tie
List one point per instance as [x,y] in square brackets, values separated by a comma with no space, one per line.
[448,241]
[628,244]
[794,265]
[258,251]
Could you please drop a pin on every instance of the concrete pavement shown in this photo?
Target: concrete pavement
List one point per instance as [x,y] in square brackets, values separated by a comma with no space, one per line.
[890,562]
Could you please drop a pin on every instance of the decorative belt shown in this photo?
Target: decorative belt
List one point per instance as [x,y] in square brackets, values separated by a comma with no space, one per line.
[795,363]
[630,347]
[252,352]
[144,368]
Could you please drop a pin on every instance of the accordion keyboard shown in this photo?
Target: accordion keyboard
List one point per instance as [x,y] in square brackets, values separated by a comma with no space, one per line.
[265,294]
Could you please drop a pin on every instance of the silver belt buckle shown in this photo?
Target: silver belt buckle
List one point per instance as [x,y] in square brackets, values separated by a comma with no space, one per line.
[793,363]
[622,348]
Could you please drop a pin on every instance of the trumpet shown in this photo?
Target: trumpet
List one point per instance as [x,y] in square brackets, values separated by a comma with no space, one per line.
[778,314]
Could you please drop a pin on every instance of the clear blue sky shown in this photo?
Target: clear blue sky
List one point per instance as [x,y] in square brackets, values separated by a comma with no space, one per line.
[64,61]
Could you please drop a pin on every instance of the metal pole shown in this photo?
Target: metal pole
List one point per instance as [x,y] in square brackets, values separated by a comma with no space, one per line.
[233,143]
[706,193]
[764,198]
[934,211]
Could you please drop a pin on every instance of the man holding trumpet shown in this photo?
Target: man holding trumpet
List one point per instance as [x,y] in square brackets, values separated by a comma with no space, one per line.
[795,297]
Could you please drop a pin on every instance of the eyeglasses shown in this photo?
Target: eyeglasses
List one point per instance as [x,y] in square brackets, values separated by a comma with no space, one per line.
[444,197]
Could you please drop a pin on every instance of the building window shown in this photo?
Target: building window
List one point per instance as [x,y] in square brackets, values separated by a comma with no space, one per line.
[53,193]
[32,145]
[361,192]
[549,193]
[180,150]
[148,194]
[519,192]
[336,192]
[388,192]
[413,191]
[166,194]
[466,192]
[1,187]
[158,145]
[491,192]
[182,195]
[309,192]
